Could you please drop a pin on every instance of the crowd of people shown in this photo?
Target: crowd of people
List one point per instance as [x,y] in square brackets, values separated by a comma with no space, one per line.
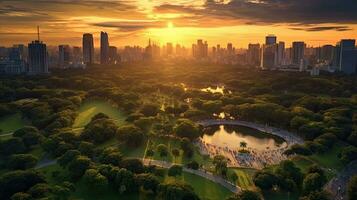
[243,157]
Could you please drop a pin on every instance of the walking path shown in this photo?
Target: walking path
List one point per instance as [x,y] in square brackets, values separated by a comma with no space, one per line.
[6,134]
[338,185]
[207,175]
[214,178]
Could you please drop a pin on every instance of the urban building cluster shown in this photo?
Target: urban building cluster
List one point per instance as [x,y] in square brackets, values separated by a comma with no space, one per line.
[37,58]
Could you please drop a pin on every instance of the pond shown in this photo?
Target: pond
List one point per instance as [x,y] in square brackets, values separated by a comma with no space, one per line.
[218,89]
[232,136]
[90,108]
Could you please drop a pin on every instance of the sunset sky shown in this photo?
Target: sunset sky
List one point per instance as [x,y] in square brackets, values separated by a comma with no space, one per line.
[316,22]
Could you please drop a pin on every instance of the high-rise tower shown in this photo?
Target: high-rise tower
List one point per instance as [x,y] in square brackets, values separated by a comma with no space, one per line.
[88,48]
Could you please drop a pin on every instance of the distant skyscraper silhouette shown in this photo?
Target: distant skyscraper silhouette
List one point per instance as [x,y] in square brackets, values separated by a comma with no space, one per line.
[104,48]
[253,54]
[269,56]
[37,56]
[281,53]
[348,57]
[200,50]
[298,51]
[113,55]
[88,48]
[270,39]
[63,56]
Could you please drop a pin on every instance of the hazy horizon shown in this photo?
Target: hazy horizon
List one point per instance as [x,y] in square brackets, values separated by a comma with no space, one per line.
[183,22]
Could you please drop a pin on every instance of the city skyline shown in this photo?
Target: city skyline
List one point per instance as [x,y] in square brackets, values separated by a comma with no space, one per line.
[179,22]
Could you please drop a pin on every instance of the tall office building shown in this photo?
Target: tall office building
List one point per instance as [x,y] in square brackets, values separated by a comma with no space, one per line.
[327,52]
[113,55]
[270,39]
[104,48]
[76,55]
[22,50]
[200,50]
[169,49]
[269,54]
[230,49]
[15,64]
[63,56]
[348,57]
[88,48]
[253,54]
[281,53]
[298,52]
[37,56]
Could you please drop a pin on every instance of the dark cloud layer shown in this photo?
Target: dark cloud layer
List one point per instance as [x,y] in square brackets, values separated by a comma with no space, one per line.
[276,11]
[322,28]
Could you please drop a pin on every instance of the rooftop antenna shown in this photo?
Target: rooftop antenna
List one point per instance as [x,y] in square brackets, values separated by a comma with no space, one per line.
[38,33]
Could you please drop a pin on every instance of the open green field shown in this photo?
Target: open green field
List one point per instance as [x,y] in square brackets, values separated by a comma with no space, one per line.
[330,158]
[11,123]
[245,177]
[206,189]
[92,107]
[153,142]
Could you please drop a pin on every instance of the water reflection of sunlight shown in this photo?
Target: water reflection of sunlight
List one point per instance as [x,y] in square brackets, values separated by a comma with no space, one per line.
[231,137]
[218,89]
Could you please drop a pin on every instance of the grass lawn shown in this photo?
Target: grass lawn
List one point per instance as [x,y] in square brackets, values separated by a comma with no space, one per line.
[245,177]
[92,107]
[206,189]
[330,159]
[302,162]
[11,123]
[280,196]
[203,160]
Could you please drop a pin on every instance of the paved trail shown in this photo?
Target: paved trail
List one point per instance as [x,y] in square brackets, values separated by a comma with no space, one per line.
[338,185]
[217,179]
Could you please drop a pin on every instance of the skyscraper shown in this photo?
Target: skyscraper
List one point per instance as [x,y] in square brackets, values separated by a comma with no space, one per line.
[230,48]
[270,39]
[298,51]
[348,56]
[169,49]
[327,52]
[113,55]
[253,54]
[63,56]
[269,53]
[104,48]
[281,53]
[200,50]
[37,56]
[88,48]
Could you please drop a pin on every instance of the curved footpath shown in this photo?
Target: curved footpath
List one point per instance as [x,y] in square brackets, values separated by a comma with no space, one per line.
[163,164]
[214,178]
[338,185]
[289,137]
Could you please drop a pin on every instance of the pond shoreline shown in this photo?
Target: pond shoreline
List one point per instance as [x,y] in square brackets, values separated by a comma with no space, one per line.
[256,159]
[289,137]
